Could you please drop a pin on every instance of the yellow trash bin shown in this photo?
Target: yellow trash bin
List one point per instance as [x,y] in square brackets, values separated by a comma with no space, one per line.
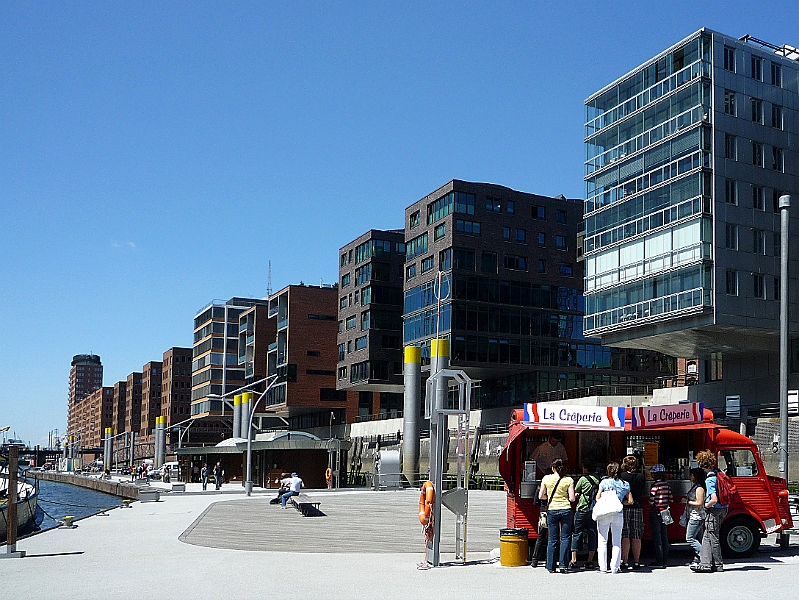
[513,547]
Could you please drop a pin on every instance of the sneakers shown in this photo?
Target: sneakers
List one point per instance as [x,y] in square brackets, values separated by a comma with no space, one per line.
[701,569]
[635,566]
[573,566]
[624,566]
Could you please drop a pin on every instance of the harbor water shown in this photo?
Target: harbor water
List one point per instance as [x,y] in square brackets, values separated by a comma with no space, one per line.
[57,500]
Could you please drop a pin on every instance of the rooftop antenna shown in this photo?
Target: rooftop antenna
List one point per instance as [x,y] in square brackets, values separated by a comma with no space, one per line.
[269,281]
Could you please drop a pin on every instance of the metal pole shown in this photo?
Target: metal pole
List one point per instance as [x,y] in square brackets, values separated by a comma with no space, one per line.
[248,482]
[11,511]
[439,359]
[785,205]
[237,416]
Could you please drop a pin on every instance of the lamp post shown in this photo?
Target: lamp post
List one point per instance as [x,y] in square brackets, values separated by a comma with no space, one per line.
[785,205]
[332,418]
[248,482]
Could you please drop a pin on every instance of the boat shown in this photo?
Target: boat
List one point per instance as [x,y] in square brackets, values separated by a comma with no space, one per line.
[27,497]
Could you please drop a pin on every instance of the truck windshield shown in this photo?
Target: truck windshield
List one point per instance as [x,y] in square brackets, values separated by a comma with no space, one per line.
[738,463]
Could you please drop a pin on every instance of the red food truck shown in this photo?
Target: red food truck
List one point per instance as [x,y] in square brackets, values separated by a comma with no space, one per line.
[671,435]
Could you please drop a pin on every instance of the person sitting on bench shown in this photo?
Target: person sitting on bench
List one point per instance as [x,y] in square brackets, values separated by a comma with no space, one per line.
[285,478]
[295,485]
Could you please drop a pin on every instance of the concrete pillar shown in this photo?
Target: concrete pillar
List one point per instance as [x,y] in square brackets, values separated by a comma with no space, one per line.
[410,414]
[107,448]
[132,448]
[160,441]
[439,359]
[237,416]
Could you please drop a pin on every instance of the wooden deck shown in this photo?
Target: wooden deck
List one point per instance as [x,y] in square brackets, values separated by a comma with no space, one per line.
[354,522]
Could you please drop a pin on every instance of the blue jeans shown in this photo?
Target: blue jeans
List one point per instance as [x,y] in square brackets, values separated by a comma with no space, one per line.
[559,521]
[693,535]
[285,497]
[660,537]
[584,524]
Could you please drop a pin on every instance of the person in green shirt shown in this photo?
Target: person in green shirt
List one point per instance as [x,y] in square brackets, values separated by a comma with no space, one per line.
[585,490]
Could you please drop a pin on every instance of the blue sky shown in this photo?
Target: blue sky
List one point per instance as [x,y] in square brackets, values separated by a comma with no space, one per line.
[154,156]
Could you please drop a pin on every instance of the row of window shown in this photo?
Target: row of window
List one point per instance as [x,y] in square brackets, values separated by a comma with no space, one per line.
[731,196]
[757,114]
[367,250]
[371,319]
[758,240]
[756,70]
[758,285]
[777,159]
[458,202]
[388,342]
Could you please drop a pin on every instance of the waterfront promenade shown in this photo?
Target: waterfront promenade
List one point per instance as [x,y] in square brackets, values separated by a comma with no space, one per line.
[216,545]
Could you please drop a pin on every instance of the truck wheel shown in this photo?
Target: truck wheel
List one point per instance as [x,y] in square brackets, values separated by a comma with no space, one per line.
[740,537]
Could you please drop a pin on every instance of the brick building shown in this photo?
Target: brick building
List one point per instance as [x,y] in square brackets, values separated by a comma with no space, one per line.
[97,413]
[150,399]
[133,403]
[120,405]
[85,376]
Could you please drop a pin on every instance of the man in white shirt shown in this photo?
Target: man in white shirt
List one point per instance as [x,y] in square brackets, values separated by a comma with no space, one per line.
[548,451]
[295,485]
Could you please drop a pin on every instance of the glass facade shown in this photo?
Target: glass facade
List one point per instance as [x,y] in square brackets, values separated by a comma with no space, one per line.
[648,243]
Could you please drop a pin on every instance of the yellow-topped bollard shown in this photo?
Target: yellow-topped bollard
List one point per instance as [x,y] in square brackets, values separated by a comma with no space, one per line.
[513,547]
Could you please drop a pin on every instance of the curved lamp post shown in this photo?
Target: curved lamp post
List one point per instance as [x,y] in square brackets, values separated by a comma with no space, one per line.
[248,482]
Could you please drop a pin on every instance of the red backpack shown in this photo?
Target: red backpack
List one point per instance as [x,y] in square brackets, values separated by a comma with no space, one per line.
[725,488]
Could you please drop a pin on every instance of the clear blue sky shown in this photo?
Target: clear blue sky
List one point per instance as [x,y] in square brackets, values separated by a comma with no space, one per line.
[154,156]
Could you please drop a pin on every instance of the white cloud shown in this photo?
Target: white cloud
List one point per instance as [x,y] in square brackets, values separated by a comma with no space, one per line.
[130,245]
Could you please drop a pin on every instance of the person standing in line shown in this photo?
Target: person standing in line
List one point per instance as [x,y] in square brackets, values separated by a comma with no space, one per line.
[586,490]
[219,474]
[695,507]
[204,476]
[295,485]
[613,522]
[710,556]
[195,474]
[633,528]
[660,497]
[558,488]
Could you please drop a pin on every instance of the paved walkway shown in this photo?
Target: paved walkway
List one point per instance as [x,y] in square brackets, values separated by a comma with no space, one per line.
[137,552]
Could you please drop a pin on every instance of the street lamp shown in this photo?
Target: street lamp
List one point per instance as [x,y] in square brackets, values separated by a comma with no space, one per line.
[248,482]
[332,418]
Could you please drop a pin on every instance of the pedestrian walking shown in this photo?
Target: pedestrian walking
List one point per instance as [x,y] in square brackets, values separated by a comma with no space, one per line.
[219,474]
[694,514]
[710,556]
[204,476]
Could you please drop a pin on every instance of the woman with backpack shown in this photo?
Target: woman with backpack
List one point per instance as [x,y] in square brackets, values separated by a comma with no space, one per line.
[695,512]
[710,556]
[586,490]
[558,489]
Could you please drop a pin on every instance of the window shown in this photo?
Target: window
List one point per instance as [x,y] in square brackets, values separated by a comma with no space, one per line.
[345,280]
[729,103]
[542,239]
[493,204]
[463,258]
[365,251]
[400,248]
[410,271]
[445,259]
[343,262]
[343,302]
[757,68]
[732,282]
[777,243]
[342,372]
[521,236]
[340,326]
[730,150]
[467,227]
[713,367]
[515,263]
[506,234]
[415,219]
[560,242]
[542,266]
[560,216]
[776,116]
[427,264]
[350,323]
[313,353]
[729,59]
[458,202]
[776,74]
[349,346]
[349,256]
[776,159]
[758,202]
[566,269]
[416,246]
[738,463]
[759,241]
[356,296]
[731,236]
[440,231]
[760,286]
[757,154]
[776,288]
[488,262]
[775,200]
[510,205]
[757,111]
[360,343]
[731,191]
[540,212]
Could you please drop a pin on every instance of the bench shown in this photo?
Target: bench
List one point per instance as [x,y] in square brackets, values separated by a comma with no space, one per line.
[306,506]
[178,487]
[149,495]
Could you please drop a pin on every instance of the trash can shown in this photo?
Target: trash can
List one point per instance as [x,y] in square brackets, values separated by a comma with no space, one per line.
[513,547]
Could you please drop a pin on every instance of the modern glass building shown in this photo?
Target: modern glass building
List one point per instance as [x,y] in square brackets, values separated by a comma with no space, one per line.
[686,157]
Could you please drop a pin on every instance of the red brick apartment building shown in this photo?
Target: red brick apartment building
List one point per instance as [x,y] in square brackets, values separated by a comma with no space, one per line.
[150,400]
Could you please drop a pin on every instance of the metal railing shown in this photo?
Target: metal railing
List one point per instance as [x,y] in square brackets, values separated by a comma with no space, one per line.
[627,389]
